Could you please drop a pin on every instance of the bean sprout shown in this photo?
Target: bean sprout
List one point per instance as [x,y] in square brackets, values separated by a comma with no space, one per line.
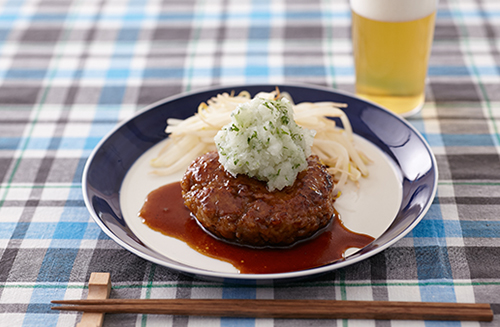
[194,136]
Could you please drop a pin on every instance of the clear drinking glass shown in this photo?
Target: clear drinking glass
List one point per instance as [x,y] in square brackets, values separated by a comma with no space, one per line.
[392,40]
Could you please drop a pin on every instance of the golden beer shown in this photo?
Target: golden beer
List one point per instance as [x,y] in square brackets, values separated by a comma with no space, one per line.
[391,60]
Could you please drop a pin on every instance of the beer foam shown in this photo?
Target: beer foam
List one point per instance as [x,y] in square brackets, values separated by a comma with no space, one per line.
[394,10]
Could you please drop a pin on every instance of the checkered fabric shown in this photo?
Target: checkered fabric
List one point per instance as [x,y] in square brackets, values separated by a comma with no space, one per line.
[70,70]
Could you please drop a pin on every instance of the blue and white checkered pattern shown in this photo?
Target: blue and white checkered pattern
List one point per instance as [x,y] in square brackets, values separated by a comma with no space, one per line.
[71,69]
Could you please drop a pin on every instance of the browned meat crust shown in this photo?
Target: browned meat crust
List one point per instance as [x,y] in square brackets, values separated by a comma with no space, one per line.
[242,210]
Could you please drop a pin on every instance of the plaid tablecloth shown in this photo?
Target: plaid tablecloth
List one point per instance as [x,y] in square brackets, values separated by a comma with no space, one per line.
[70,70]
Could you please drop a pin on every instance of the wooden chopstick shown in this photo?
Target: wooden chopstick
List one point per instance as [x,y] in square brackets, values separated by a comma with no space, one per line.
[295,309]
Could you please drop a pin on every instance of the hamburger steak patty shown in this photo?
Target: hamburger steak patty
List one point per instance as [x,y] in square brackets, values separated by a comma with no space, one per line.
[240,209]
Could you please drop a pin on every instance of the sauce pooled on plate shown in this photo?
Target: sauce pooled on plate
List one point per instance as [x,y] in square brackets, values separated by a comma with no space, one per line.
[164,211]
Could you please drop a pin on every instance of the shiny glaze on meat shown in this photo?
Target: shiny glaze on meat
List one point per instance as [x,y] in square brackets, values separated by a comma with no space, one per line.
[240,209]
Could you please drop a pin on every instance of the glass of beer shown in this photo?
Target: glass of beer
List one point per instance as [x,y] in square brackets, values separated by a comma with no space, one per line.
[391,44]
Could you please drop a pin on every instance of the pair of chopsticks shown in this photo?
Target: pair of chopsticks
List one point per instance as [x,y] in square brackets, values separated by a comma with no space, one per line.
[294,309]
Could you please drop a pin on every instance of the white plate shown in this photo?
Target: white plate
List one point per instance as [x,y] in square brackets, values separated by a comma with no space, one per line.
[381,190]
[395,197]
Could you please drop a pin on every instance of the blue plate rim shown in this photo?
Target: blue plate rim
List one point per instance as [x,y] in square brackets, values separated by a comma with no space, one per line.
[207,274]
